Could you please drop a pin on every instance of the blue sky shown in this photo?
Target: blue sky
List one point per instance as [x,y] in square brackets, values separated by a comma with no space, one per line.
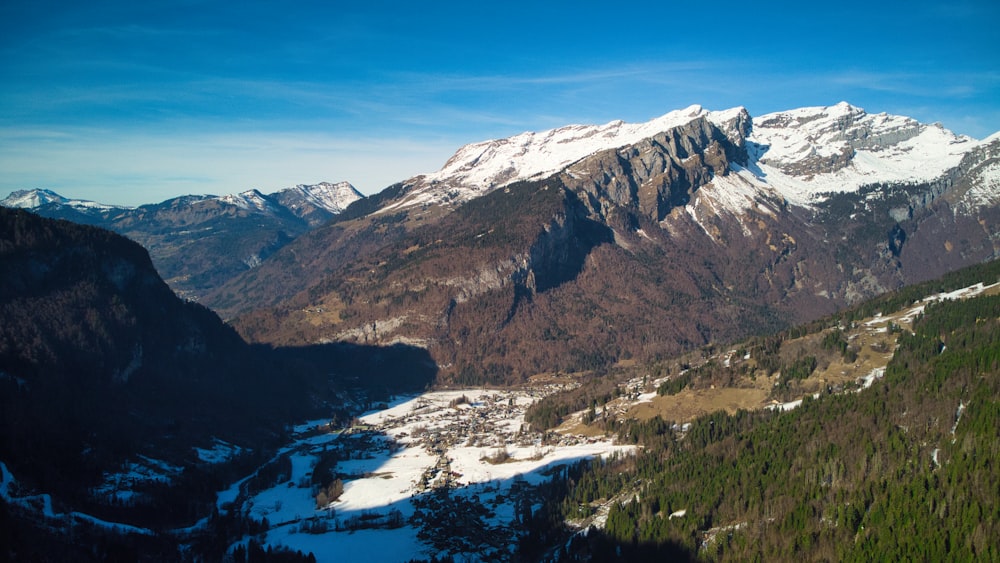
[136,102]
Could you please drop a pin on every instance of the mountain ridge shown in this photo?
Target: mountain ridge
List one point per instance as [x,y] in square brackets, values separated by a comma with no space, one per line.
[479,167]
[333,197]
[199,241]
[686,223]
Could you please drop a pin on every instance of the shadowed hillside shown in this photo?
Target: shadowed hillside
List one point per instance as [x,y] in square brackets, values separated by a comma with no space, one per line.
[115,393]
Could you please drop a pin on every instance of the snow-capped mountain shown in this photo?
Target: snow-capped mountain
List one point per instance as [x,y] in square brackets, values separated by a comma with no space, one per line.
[801,155]
[34,199]
[300,200]
[809,152]
[317,203]
[478,168]
[331,197]
[251,200]
[583,244]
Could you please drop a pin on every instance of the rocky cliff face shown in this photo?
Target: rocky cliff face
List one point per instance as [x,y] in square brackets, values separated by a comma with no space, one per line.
[658,174]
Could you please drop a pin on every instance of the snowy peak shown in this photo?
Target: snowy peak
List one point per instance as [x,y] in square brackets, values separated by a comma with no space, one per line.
[198,242]
[330,197]
[807,152]
[822,139]
[34,199]
[251,200]
[325,195]
[532,155]
[31,199]
[800,155]
[317,203]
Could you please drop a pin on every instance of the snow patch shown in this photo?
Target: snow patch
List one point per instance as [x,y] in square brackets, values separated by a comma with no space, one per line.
[42,504]
[867,380]
[958,417]
[785,407]
[220,452]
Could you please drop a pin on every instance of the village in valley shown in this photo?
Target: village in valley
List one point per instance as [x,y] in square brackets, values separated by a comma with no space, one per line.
[382,487]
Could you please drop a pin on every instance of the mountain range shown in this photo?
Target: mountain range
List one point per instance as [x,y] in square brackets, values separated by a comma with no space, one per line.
[584,250]
[582,246]
[579,247]
[199,241]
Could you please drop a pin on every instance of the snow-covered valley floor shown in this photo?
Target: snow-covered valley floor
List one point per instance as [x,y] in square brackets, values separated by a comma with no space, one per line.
[442,472]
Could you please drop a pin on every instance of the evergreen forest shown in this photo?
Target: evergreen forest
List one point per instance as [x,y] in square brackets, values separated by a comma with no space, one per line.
[903,470]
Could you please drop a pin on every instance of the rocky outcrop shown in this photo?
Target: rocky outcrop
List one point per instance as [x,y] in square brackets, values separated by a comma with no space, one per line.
[661,173]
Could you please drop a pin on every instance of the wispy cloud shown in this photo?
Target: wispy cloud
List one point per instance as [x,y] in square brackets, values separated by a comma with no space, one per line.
[926,84]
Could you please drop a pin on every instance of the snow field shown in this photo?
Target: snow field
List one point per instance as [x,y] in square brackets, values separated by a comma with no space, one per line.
[440,439]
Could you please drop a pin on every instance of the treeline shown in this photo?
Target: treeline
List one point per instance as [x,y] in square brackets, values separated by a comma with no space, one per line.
[902,470]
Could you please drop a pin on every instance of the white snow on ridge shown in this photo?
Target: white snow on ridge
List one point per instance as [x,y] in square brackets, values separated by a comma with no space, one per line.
[331,197]
[251,200]
[478,168]
[530,154]
[800,155]
[33,199]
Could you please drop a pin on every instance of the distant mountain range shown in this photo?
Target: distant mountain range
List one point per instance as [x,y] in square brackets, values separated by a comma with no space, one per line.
[585,245]
[197,242]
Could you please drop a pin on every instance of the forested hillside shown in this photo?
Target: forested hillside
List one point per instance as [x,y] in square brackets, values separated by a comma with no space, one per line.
[902,470]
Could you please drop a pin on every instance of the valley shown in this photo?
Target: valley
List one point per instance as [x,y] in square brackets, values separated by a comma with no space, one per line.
[405,469]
